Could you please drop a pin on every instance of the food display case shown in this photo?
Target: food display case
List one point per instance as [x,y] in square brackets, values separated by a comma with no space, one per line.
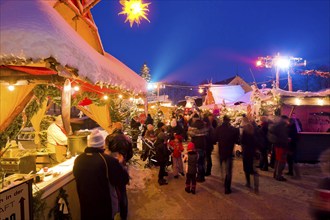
[18,161]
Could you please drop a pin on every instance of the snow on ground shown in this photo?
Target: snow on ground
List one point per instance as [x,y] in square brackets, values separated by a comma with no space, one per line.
[139,176]
[276,200]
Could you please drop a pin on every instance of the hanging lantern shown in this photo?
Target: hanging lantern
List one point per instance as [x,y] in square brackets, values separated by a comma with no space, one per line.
[135,10]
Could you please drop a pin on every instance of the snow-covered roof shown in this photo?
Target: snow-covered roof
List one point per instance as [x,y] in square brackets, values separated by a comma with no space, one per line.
[228,93]
[34,29]
[303,94]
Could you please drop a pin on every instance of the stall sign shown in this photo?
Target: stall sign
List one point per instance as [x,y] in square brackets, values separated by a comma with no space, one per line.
[16,202]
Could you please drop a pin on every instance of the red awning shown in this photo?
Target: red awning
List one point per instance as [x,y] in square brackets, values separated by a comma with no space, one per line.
[85,86]
[33,70]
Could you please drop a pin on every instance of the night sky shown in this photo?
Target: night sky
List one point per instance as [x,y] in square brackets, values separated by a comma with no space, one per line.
[198,40]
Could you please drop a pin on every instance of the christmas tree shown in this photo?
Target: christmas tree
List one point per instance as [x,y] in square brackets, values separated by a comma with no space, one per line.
[145,72]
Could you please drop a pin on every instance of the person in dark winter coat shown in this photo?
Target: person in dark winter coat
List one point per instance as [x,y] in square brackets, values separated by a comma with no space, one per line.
[209,146]
[198,132]
[119,146]
[248,142]
[213,121]
[162,152]
[149,120]
[291,157]
[226,136]
[191,169]
[135,130]
[118,142]
[278,135]
[97,177]
[264,145]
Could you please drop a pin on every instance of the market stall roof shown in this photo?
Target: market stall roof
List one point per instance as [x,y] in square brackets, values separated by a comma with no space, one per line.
[321,93]
[227,93]
[34,30]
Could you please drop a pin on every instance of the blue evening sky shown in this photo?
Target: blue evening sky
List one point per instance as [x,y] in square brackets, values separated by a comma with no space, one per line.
[196,40]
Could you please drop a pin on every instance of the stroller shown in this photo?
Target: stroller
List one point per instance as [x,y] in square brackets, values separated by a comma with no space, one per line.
[148,153]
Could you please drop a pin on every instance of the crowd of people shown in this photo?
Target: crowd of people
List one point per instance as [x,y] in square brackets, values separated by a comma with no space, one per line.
[102,176]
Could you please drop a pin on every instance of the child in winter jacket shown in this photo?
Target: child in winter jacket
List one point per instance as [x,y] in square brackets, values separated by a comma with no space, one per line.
[177,148]
[191,158]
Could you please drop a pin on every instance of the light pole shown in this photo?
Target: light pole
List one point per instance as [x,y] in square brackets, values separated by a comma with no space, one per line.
[281,62]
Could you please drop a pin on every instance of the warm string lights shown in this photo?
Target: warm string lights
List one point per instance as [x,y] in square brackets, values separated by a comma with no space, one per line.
[11,88]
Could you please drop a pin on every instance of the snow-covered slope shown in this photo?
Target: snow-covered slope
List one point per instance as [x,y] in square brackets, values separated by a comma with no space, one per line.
[33,29]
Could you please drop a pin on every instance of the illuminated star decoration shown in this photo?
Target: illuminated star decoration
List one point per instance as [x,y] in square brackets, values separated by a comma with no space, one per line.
[135,11]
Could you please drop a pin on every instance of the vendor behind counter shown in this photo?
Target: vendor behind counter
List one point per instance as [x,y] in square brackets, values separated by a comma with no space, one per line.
[57,141]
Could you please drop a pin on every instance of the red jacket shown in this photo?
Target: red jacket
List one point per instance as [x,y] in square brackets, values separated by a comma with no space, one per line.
[177,148]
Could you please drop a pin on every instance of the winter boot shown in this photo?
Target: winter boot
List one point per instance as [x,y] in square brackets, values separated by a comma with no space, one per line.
[162,182]
[247,178]
[256,183]
[193,190]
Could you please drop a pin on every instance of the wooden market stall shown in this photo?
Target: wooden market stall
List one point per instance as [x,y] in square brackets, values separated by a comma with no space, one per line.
[311,108]
[44,44]
[313,111]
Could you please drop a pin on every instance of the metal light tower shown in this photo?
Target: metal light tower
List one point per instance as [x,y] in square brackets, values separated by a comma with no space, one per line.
[281,62]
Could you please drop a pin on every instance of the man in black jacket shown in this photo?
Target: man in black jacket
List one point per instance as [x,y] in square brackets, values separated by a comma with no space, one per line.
[97,177]
[226,136]
[162,152]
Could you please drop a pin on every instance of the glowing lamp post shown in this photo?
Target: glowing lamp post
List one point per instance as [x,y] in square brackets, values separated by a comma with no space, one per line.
[279,62]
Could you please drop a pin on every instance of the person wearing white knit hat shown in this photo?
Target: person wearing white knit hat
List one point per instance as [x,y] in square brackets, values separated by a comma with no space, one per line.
[98,175]
[95,139]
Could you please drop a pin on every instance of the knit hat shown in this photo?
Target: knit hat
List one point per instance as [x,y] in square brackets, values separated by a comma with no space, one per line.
[179,137]
[95,139]
[160,124]
[191,146]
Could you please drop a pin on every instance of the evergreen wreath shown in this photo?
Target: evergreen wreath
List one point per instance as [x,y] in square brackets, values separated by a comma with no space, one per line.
[59,211]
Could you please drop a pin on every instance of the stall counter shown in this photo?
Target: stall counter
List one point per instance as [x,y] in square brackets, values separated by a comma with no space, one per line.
[57,177]
[310,145]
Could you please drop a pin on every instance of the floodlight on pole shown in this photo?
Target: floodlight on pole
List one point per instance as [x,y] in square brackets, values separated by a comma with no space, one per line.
[283,63]
[280,62]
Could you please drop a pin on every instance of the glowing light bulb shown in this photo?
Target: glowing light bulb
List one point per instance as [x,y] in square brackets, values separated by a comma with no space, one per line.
[283,63]
[120,96]
[298,101]
[105,97]
[200,90]
[320,102]
[67,88]
[131,99]
[11,88]
[76,88]
[259,63]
